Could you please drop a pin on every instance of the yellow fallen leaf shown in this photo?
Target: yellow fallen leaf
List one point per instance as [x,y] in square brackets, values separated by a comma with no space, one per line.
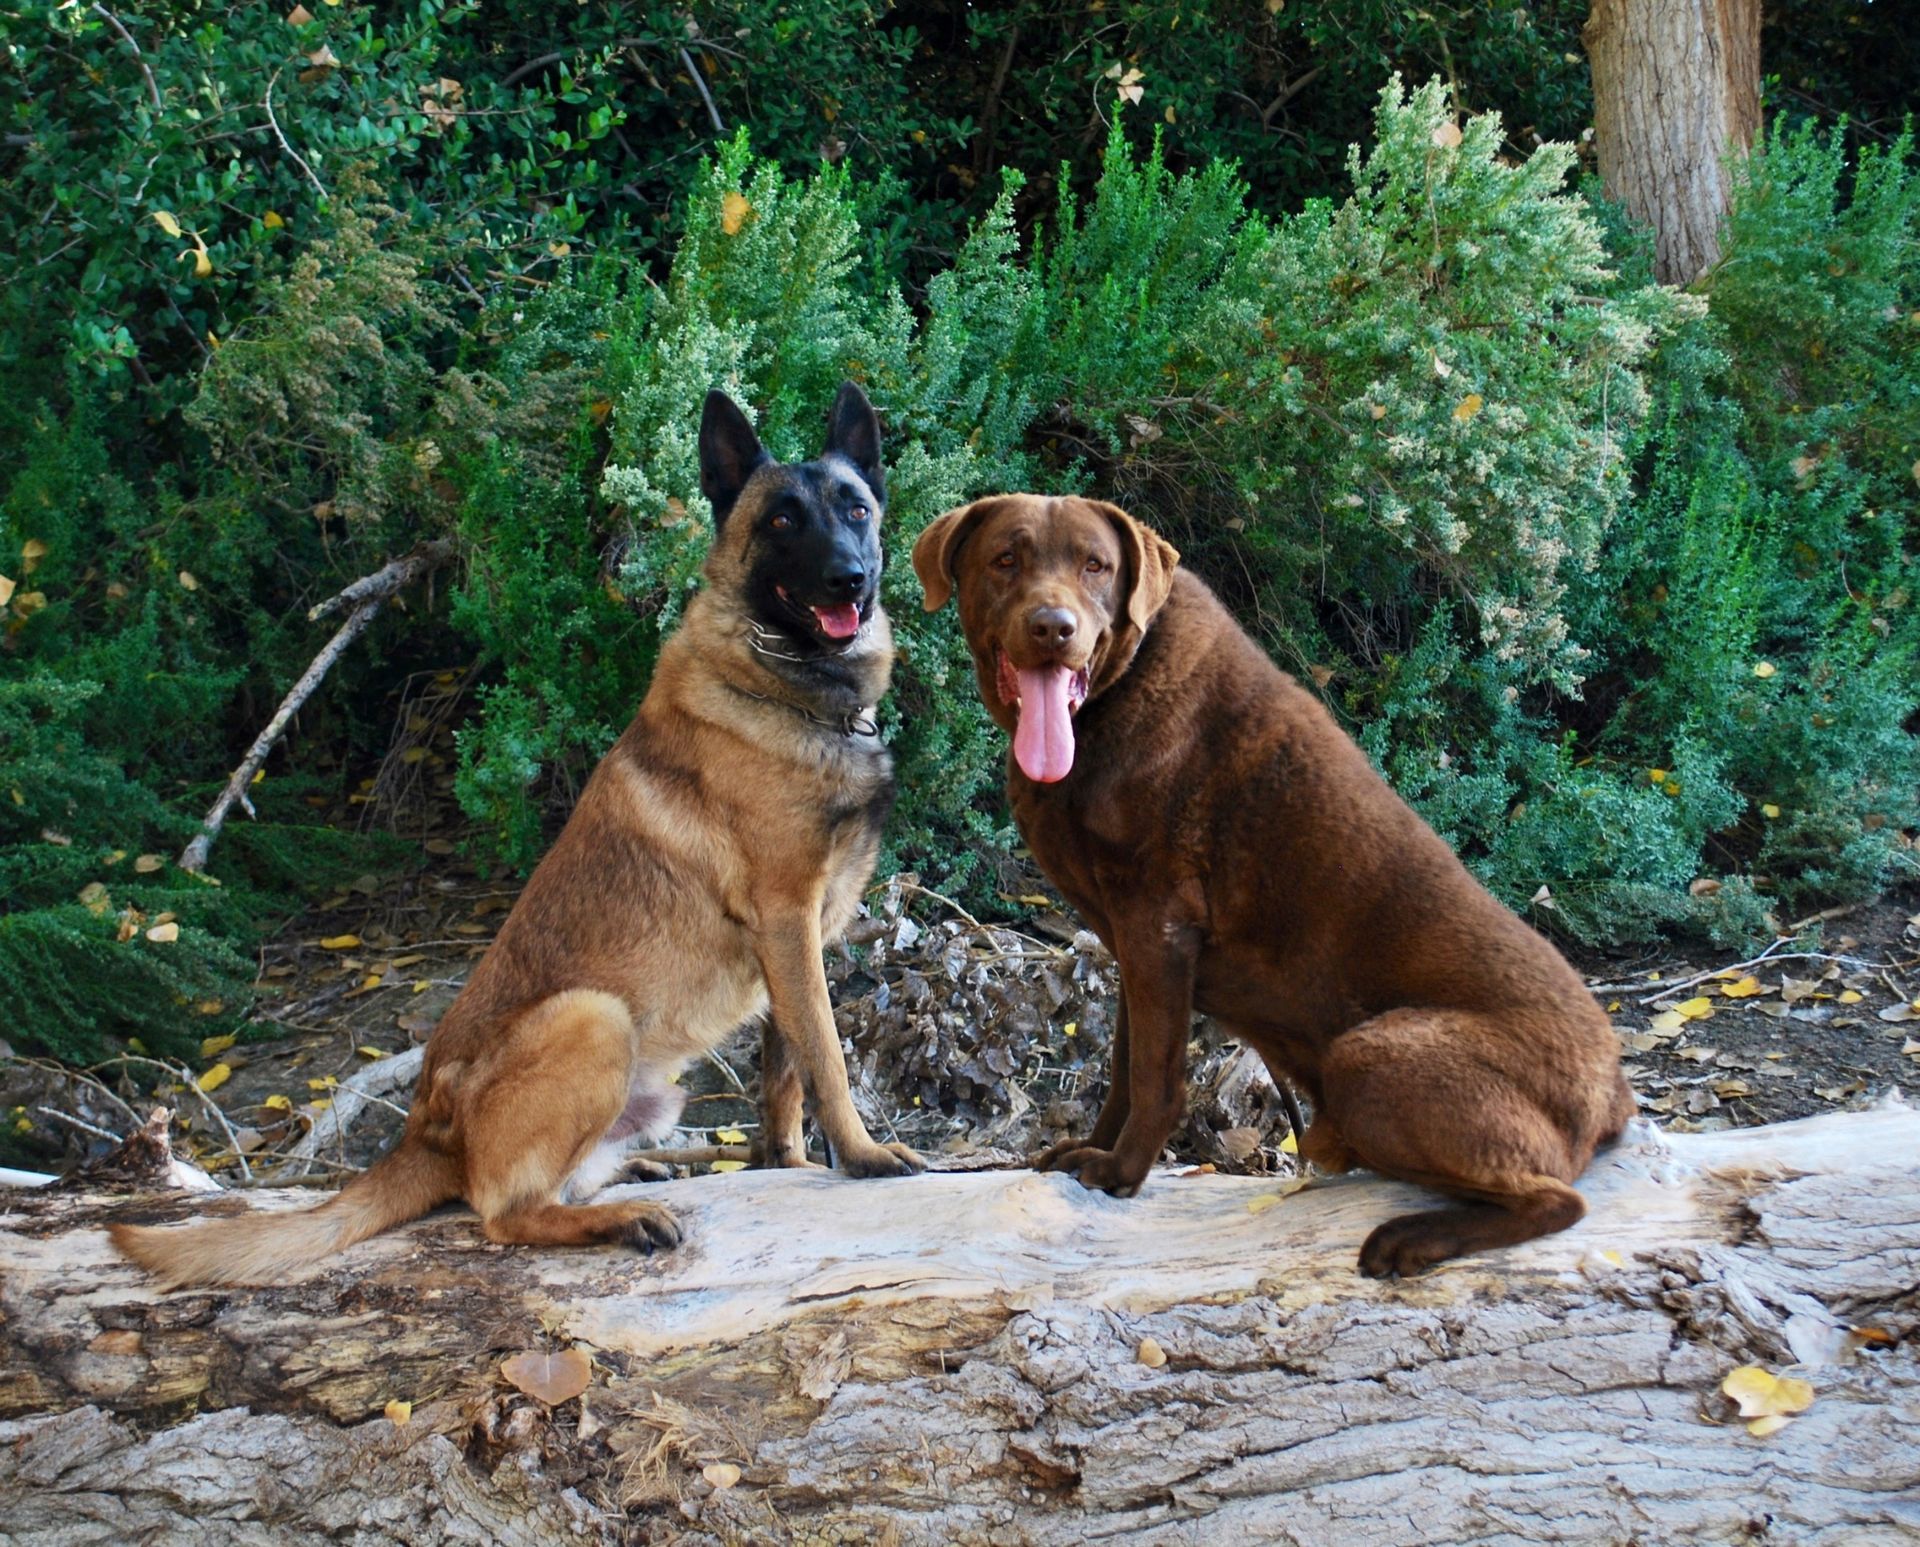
[398,1413]
[146,864]
[371,1052]
[214,1078]
[271,220]
[213,1047]
[729,1136]
[1150,1353]
[406,961]
[325,1082]
[32,551]
[1764,669]
[164,934]
[550,1378]
[278,1104]
[339,942]
[1290,1145]
[210,1007]
[729,1165]
[1743,988]
[1698,1008]
[1072,1028]
[1447,135]
[1265,1201]
[1762,1394]
[165,221]
[422,986]
[721,1474]
[6,591]
[188,580]
[1468,407]
[1773,1423]
[319,1106]
[1770,812]
[1851,997]
[734,210]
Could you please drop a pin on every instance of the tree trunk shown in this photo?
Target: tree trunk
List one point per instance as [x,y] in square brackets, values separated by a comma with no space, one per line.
[1676,89]
[962,1358]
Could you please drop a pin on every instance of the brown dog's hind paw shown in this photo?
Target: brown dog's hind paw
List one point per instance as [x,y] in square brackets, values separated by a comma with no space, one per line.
[1408,1245]
[651,1225]
[1100,1170]
[883,1160]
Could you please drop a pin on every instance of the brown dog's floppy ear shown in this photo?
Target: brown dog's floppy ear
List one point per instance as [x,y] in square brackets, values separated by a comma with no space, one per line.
[933,552]
[1151,560]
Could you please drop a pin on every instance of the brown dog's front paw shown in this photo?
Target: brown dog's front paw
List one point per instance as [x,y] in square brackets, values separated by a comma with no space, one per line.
[1100,1170]
[1049,1158]
[883,1160]
[651,1225]
[1406,1246]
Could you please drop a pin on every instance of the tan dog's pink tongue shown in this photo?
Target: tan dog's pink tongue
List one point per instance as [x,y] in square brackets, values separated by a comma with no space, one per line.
[1043,740]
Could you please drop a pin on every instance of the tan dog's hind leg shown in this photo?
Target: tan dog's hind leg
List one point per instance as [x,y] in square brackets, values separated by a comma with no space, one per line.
[538,1110]
[1412,1096]
[783,1140]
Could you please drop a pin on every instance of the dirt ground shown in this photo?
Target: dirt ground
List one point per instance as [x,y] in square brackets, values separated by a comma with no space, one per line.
[976,1043]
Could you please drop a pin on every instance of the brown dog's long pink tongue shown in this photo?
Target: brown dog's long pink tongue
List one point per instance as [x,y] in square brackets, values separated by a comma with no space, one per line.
[1043,739]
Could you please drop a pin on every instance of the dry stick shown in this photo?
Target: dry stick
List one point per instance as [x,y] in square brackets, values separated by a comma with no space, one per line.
[139,58]
[705,95]
[1763,959]
[367,595]
[299,160]
[186,1078]
[699,1155]
[353,1094]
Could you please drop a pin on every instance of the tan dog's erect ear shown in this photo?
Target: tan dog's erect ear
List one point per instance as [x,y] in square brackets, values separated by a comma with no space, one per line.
[933,552]
[1150,559]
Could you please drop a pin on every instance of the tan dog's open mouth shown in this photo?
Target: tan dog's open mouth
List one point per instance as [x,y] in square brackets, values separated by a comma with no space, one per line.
[1046,699]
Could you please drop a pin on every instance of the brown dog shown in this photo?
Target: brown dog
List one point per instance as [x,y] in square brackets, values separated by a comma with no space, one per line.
[721,843]
[1239,855]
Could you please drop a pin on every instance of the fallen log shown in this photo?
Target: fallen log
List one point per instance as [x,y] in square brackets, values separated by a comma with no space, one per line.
[1003,1357]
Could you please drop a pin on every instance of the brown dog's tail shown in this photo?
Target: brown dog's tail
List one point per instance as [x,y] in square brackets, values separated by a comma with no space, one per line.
[267,1248]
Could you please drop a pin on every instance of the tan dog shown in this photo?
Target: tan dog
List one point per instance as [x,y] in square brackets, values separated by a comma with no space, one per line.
[721,843]
[1239,855]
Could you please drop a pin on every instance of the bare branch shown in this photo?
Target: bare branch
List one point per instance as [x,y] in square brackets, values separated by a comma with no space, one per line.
[367,596]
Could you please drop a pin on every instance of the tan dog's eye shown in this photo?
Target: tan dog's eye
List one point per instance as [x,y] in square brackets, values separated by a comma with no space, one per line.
[782,522]
[1004,561]
[1096,565]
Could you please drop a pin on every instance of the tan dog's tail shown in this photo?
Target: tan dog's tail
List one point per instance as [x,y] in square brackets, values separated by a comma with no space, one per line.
[268,1248]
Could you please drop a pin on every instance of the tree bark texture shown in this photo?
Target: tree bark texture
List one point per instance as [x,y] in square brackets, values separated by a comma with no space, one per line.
[1676,90]
[1002,1357]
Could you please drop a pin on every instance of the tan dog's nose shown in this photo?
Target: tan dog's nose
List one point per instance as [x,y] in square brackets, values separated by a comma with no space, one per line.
[1051,626]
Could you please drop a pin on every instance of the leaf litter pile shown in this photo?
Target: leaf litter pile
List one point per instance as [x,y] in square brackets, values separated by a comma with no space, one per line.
[976,1042]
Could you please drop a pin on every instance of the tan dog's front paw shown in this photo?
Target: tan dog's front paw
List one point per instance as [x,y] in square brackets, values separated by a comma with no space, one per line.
[1101,1170]
[649,1225]
[883,1160]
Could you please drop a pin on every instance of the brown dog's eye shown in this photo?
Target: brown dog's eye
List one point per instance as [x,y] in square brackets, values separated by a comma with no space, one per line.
[858,513]
[782,522]
[1004,561]
[1096,565]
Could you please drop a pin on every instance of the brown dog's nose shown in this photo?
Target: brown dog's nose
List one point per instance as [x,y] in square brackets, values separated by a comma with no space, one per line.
[1052,626]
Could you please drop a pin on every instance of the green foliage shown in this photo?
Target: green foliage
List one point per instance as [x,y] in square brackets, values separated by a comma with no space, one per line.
[73,830]
[1528,522]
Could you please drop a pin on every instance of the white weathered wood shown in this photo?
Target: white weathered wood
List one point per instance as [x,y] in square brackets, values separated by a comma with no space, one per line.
[954,1358]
